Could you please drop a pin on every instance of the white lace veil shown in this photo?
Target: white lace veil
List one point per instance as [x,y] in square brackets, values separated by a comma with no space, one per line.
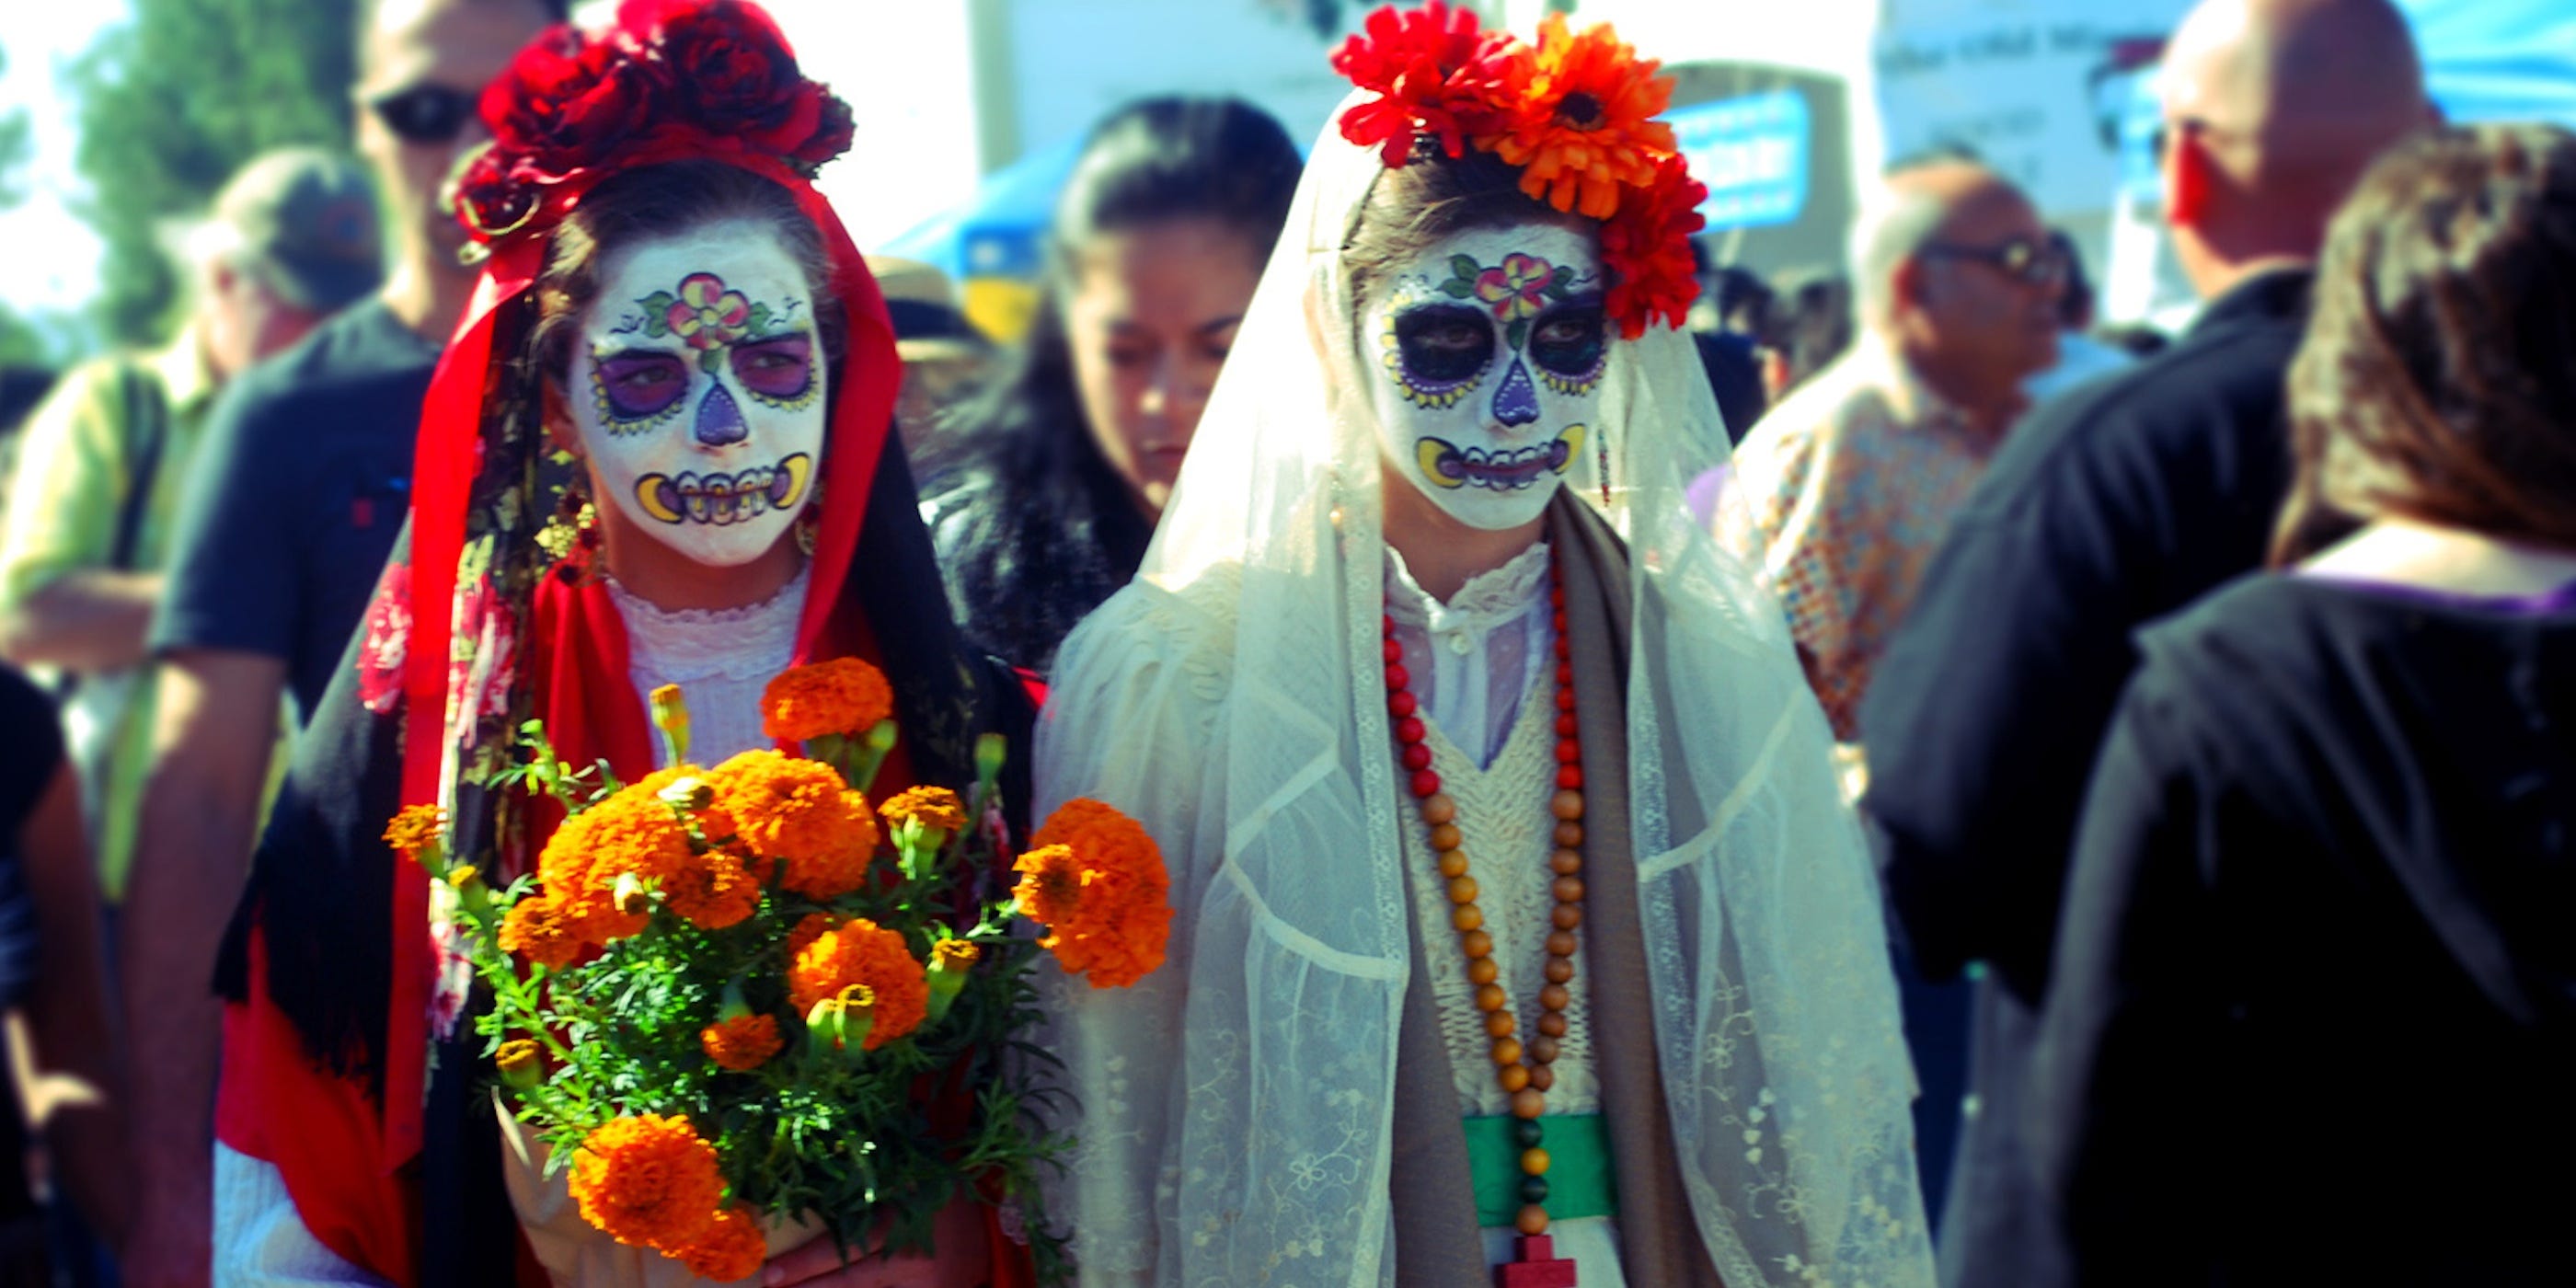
[1236,1105]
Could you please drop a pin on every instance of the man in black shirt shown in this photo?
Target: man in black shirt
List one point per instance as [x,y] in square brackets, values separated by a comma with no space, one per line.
[301,484]
[2118,503]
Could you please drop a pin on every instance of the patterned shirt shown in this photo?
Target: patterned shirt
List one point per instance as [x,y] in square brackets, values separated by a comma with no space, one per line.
[1839,496]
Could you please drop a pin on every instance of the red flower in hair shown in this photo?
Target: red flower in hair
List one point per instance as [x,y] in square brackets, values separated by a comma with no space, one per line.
[563,101]
[1432,68]
[1646,246]
[737,75]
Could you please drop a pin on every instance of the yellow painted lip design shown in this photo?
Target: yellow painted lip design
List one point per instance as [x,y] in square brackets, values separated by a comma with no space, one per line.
[721,499]
[1510,469]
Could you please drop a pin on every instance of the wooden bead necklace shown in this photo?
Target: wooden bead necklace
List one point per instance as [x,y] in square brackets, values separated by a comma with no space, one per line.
[1524,1071]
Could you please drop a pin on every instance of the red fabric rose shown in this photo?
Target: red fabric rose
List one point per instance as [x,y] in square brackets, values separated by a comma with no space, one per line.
[1646,247]
[1433,67]
[739,74]
[832,135]
[563,102]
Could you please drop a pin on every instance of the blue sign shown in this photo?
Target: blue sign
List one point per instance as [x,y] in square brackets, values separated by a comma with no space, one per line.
[1752,153]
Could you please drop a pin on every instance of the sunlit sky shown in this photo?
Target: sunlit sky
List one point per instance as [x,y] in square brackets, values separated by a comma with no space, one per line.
[48,257]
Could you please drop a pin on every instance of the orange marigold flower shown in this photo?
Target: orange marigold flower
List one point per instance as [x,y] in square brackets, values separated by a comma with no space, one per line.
[859,951]
[631,832]
[844,695]
[741,1043]
[799,812]
[540,932]
[1097,882]
[1646,247]
[1579,125]
[937,809]
[807,931]
[648,1180]
[730,1249]
[415,828]
[712,891]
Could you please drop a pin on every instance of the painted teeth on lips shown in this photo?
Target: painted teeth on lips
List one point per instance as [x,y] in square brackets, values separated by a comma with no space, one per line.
[723,499]
[1504,470]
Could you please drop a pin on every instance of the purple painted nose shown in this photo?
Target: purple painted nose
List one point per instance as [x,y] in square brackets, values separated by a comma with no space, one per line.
[720,420]
[1516,403]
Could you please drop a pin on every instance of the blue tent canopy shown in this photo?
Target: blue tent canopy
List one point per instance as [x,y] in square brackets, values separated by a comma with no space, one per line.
[1001,230]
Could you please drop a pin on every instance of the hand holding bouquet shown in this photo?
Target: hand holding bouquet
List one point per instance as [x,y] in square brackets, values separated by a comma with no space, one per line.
[737,997]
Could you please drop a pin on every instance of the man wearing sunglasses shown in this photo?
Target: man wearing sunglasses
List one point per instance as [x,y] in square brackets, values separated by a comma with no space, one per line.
[302,483]
[1842,490]
[2120,502]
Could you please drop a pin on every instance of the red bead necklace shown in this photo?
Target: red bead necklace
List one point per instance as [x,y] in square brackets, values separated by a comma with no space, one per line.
[1525,1072]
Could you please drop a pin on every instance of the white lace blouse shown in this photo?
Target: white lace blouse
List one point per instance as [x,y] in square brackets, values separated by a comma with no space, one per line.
[721,658]
[1472,658]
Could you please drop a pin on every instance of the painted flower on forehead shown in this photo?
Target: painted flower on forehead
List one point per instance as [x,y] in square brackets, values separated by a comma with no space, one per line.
[706,314]
[1580,125]
[1517,288]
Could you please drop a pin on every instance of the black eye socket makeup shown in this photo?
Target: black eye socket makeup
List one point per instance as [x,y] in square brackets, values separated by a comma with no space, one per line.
[1443,344]
[778,371]
[1569,341]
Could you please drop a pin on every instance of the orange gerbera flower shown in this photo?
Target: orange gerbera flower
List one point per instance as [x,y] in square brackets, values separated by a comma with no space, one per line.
[1579,123]
[799,812]
[741,1043]
[936,808]
[1097,882]
[731,1248]
[712,891]
[647,1180]
[538,931]
[843,695]
[859,951]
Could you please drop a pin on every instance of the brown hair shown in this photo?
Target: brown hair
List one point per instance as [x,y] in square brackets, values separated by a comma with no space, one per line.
[1412,207]
[2438,377]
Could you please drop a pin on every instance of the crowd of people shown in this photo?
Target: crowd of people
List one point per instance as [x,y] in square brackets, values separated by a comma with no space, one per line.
[1851,776]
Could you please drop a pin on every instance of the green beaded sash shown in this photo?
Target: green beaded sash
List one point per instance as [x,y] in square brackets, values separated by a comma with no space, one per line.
[1577,1184]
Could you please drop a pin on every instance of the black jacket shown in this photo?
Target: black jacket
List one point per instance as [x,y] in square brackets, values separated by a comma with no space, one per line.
[2313,1017]
[2118,503]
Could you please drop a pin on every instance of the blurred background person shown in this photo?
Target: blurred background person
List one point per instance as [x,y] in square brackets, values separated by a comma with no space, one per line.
[1056,475]
[1840,493]
[291,239]
[945,359]
[2325,854]
[2080,357]
[62,1126]
[301,484]
[2117,504]
[1807,327]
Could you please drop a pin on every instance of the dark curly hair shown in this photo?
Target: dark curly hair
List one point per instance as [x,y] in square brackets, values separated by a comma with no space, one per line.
[2438,377]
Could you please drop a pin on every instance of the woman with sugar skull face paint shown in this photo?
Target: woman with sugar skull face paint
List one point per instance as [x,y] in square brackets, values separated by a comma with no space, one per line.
[669,306]
[1521,933]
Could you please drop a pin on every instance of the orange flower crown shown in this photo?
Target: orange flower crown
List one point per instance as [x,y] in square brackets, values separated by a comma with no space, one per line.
[1574,113]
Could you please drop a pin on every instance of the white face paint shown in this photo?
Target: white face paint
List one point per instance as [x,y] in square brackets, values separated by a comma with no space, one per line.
[1491,348]
[698,392]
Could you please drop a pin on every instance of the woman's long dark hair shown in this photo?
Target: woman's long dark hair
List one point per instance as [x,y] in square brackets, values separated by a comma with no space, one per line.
[1034,526]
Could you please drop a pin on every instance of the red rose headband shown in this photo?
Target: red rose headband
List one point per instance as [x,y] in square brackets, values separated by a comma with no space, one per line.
[1574,113]
[670,80]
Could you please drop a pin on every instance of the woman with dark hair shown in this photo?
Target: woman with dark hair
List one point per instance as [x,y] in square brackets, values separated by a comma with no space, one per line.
[2312,1017]
[667,302]
[1517,918]
[1043,501]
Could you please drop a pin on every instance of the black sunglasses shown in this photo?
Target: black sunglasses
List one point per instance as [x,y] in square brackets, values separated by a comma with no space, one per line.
[425,113]
[2037,261]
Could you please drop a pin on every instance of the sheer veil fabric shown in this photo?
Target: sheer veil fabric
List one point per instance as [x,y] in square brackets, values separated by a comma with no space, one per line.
[1236,1105]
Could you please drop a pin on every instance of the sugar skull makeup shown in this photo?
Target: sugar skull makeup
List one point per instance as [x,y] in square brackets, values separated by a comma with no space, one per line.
[703,376]
[1491,346]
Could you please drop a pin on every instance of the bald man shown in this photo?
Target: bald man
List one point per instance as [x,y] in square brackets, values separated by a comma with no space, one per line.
[1841,492]
[2116,504]
[302,481]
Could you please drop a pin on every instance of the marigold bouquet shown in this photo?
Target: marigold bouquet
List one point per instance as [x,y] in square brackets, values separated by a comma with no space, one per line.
[735,998]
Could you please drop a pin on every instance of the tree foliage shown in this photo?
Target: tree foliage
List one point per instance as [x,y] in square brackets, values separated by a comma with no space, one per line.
[20,343]
[173,102]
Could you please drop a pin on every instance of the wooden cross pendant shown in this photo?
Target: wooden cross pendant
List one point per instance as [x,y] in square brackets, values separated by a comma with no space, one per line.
[1535,1267]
